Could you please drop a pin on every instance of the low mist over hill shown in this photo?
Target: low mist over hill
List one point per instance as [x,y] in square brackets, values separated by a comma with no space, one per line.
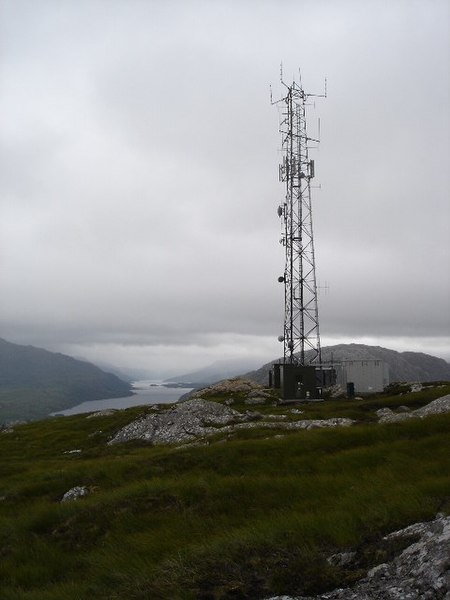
[35,382]
[403,366]
[220,369]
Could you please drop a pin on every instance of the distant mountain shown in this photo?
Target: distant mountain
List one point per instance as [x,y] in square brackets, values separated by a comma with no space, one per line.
[221,369]
[403,366]
[35,382]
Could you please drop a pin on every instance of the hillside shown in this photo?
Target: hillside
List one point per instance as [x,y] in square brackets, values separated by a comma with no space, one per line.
[220,369]
[403,366]
[35,382]
[245,513]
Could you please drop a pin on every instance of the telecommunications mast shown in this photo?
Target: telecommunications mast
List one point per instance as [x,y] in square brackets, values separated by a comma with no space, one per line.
[301,318]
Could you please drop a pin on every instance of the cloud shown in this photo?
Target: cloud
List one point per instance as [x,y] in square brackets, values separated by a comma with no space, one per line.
[139,181]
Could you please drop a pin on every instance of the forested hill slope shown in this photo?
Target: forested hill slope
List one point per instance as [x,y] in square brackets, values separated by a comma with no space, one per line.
[35,382]
[403,366]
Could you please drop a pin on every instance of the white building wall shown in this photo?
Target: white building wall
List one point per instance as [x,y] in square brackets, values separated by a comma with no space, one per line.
[369,376]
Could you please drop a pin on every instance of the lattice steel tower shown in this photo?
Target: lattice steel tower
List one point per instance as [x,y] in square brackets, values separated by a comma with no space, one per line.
[301,316]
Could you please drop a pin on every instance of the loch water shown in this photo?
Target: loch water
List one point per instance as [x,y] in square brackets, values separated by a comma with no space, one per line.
[145,392]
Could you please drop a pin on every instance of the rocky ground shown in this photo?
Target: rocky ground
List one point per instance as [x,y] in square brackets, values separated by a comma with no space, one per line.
[420,572]
[418,569]
[197,419]
[440,405]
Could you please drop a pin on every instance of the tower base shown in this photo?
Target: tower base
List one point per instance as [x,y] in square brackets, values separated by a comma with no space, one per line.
[298,382]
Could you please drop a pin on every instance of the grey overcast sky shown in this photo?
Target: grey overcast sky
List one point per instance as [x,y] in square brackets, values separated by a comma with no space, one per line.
[139,175]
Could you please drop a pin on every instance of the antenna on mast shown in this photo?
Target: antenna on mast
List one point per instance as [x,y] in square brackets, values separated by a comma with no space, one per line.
[301,340]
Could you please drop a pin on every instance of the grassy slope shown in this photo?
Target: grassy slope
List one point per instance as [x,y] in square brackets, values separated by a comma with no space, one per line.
[31,403]
[242,519]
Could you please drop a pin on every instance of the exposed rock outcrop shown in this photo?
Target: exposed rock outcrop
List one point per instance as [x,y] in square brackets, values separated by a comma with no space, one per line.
[198,418]
[102,413]
[75,493]
[436,407]
[237,385]
[420,572]
[181,423]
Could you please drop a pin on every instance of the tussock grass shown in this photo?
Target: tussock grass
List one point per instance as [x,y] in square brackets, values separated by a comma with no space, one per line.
[246,519]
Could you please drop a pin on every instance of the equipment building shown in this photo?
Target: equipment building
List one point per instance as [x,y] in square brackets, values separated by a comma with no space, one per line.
[368,376]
